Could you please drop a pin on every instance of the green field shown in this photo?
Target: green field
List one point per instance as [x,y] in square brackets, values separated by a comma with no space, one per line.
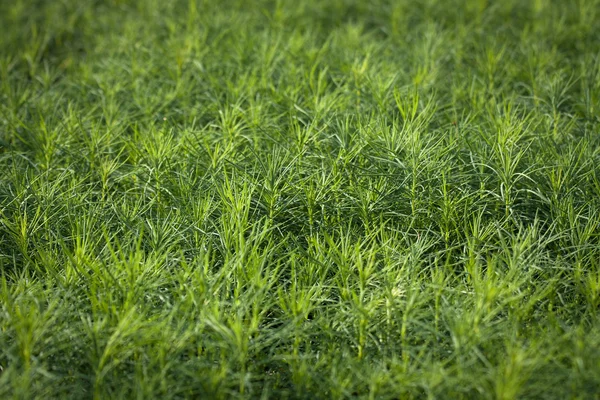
[310,199]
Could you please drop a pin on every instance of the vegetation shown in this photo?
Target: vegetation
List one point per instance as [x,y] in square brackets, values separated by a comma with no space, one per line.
[299,199]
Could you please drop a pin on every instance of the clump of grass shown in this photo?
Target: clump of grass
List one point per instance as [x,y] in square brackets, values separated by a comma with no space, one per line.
[299,199]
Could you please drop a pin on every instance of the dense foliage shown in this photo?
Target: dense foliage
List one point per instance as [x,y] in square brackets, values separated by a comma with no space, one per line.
[299,199]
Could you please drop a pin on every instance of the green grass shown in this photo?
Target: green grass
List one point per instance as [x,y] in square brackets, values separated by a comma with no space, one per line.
[300,199]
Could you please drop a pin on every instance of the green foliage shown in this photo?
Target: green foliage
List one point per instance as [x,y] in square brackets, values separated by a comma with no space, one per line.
[299,199]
